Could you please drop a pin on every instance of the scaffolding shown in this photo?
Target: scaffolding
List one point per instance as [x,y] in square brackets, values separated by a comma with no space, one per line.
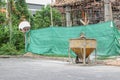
[116,12]
[88,11]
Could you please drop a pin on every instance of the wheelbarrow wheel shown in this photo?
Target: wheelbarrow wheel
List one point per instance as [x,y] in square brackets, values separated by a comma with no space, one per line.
[77,60]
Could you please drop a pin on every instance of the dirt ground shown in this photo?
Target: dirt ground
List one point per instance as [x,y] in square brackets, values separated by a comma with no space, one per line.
[112,61]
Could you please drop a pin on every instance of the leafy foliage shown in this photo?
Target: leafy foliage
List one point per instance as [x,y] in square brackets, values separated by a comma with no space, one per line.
[8,49]
[17,41]
[2,15]
[17,44]
[42,18]
[17,10]
[2,18]
[22,9]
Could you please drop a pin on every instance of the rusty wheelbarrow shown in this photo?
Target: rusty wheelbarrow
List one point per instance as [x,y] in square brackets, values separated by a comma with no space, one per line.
[82,47]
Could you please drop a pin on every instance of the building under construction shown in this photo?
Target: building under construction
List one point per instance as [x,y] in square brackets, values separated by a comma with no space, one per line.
[83,12]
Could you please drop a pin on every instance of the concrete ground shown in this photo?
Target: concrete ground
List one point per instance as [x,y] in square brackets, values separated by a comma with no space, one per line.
[41,69]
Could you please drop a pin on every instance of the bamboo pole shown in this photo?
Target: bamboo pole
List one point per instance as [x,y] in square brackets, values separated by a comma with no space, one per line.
[51,13]
[8,15]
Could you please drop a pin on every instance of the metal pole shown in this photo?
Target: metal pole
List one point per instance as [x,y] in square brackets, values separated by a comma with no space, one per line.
[25,41]
[51,13]
[95,55]
[69,54]
[84,52]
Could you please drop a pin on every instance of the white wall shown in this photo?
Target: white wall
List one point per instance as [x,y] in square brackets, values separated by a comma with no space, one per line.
[44,2]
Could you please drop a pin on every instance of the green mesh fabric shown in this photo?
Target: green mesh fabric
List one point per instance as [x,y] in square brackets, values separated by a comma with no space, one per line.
[55,40]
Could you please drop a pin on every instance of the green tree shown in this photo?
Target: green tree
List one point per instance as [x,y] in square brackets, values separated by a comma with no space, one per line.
[3,31]
[2,14]
[16,9]
[42,18]
[2,18]
[2,3]
[22,9]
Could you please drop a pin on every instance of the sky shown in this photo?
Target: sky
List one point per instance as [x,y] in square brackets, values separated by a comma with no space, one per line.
[45,2]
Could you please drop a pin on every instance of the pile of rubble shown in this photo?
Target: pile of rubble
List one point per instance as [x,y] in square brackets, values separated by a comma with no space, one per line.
[111,62]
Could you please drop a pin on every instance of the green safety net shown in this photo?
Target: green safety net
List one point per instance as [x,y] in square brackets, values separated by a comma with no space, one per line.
[55,40]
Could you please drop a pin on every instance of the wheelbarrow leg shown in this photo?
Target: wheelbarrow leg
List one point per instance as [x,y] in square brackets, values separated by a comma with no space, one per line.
[70,58]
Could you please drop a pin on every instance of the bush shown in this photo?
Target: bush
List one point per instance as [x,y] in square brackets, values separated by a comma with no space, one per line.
[8,49]
[2,18]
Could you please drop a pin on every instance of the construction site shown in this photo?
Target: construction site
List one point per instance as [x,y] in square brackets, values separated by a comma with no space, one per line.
[83,12]
[86,46]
